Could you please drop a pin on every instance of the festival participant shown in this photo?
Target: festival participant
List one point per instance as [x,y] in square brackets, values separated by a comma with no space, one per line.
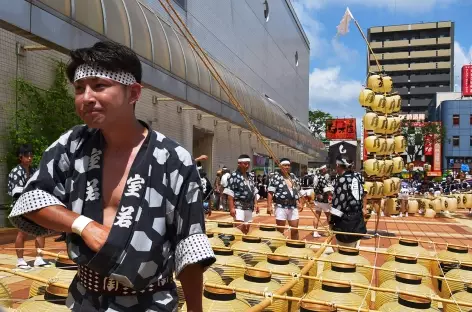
[348,204]
[128,197]
[17,180]
[241,193]
[283,189]
[207,189]
[403,196]
[323,192]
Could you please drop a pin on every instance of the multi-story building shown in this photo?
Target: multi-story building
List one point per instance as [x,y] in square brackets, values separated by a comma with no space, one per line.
[259,48]
[420,59]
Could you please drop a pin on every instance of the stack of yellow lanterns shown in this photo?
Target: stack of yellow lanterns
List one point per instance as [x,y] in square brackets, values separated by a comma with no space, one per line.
[383,142]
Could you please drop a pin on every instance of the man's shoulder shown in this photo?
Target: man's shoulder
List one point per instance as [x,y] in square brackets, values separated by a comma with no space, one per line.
[15,170]
[163,142]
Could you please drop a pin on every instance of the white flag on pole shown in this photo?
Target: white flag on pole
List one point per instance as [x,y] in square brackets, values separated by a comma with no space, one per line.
[343,27]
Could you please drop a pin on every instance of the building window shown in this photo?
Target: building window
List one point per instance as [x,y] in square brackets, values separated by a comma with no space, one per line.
[470,121]
[296,58]
[455,141]
[266,10]
[455,120]
[471,140]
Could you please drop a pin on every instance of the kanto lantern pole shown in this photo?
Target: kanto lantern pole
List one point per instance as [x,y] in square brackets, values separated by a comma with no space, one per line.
[368,44]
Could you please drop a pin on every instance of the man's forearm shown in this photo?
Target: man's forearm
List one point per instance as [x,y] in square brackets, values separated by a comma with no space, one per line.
[191,279]
[55,218]
[269,200]
[230,202]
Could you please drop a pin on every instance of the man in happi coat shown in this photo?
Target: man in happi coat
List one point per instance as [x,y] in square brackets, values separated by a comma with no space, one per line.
[241,192]
[16,182]
[323,192]
[283,190]
[128,197]
[347,211]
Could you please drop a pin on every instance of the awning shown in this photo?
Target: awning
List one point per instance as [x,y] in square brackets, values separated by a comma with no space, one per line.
[162,48]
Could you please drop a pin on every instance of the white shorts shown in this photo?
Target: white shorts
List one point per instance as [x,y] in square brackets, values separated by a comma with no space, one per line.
[321,206]
[243,215]
[289,214]
[403,196]
[306,192]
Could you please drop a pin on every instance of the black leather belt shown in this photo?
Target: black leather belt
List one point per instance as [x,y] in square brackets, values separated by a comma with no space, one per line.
[93,281]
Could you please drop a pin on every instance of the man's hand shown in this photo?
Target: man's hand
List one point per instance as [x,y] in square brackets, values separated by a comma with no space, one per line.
[95,235]
[201,158]
[257,209]
[232,212]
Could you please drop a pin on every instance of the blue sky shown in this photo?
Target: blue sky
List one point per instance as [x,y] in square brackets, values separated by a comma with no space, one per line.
[337,69]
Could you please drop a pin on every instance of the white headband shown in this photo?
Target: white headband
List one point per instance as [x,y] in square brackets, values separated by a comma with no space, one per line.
[87,71]
[343,162]
[285,162]
[199,168]
[322,167]
[244,160]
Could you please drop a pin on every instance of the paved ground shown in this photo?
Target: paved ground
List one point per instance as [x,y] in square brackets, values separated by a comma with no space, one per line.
[456,229]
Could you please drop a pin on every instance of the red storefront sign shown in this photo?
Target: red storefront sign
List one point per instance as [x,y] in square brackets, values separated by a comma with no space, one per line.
[467,80]
[341,129]
[428,145]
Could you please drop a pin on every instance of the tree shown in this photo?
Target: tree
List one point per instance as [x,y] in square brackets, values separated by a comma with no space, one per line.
[421,134]
[39,117]
[317,123]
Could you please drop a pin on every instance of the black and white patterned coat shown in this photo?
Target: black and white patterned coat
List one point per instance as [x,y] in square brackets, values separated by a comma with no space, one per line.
[322,188]
[17,180]
[281,192]
[242,189]
[344,199]
[159,227]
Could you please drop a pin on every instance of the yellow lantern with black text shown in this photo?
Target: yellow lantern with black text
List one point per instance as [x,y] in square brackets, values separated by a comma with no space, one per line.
[380,83]
[398,164]
[397,183]
[398,103]
[372,167]
[391,124]
[388,167]
[372,144]
[381,168]
[379,186]
[383,147]
[390,145]
[398,124]
[366,98]
[371,121]
[382,126]
[380,103]
[389,187]
[400,144]
[369,189]
[390,104]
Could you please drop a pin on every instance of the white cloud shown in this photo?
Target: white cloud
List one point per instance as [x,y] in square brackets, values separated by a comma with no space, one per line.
[462,56]
[404,6]
[332,93]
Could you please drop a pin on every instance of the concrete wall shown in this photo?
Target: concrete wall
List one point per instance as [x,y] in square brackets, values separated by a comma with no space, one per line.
[38,67]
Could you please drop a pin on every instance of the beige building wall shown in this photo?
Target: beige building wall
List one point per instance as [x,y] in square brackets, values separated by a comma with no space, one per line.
[229,141]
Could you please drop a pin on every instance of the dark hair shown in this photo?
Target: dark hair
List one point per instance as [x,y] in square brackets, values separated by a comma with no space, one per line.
[107,54]
[346,159]
[243,156]
[24,149]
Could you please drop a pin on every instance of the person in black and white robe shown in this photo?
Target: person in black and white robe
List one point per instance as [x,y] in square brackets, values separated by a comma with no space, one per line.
[283,190]
[128,197]
[207,189]
[17,180]
[241,192]
[323,193]
[347,211]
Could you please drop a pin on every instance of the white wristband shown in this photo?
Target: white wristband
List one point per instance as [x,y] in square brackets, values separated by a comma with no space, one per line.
[79,224]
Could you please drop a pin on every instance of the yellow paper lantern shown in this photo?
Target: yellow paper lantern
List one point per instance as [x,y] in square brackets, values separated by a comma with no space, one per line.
[383,146]
[369,189]
[400,144]
[372,167]
[412,206]
[380,83]
[398,164]
[372,144]
[383,125]
[379,186]
[390,146]
[366,98]
[371,121]
[398,103]
[380,104]
[389,187]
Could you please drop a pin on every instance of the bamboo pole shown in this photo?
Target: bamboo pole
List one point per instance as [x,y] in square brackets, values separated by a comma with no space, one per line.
[35,278]
[289,285]
[52,254]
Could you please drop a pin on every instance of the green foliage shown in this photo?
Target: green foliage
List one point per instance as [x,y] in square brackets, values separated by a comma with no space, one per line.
[418,133]
[317,123]
[41,116]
